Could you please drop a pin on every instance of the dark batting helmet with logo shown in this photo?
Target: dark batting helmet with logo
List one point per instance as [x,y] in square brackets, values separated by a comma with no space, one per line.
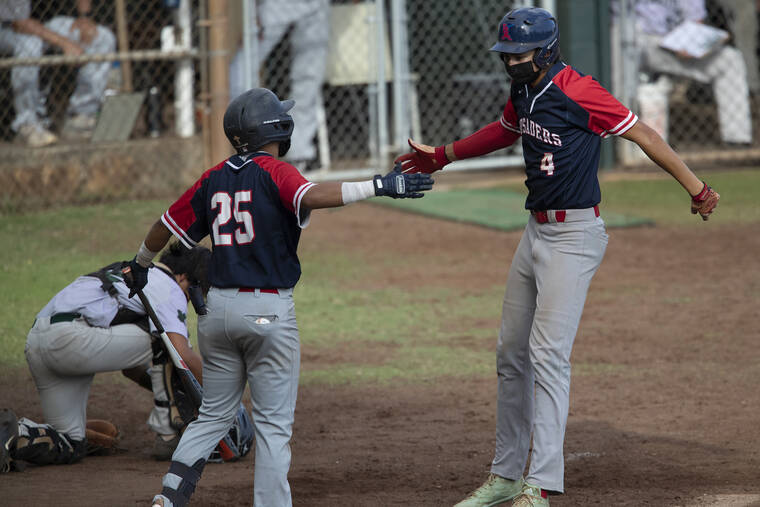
[257,117]
[521,30]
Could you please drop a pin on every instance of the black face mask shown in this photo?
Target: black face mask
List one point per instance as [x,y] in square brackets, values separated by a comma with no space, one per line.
[522,73]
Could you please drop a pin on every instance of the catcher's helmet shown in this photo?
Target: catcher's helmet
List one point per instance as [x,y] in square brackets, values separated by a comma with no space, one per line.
[257,117]
[521,30]
[238,440]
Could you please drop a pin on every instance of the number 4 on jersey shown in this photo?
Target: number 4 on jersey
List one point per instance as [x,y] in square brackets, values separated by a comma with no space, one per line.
[223,201]
[547,163]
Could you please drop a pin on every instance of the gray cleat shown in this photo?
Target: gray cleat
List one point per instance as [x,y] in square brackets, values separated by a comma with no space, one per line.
[494,491]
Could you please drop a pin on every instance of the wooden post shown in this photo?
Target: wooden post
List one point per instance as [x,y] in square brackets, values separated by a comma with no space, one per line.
[219,78]
[121,30]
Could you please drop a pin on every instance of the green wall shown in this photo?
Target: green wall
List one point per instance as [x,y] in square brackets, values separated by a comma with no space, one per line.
[585,43]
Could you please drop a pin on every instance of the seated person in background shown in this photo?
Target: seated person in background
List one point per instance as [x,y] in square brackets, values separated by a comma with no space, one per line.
[24,37]
[724,68]
[741,17]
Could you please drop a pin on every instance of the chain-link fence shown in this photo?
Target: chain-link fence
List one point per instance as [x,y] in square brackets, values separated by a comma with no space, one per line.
[691,72]
[97,100]
[437,80]
[128,107]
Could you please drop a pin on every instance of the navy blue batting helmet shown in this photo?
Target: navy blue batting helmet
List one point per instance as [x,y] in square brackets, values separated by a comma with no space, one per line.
[521,30]
[257,117]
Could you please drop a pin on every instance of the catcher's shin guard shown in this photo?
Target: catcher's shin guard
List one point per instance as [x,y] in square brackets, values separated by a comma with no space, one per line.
[179,482]
[42,445]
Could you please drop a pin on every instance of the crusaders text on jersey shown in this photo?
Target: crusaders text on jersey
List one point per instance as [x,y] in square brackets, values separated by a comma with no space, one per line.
[562,120]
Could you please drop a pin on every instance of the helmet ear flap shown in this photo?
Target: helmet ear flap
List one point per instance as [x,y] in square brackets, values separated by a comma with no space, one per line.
[547,55]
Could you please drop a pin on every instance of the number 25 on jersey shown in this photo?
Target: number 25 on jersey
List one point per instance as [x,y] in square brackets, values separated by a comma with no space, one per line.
[547,163]
[222,201]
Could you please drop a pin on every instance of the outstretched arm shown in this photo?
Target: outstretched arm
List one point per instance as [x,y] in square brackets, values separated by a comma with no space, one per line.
[704,199]
[394,184]
[663,155]
[324,195]
[428,159]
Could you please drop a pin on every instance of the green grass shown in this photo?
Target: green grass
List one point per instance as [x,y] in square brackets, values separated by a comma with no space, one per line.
[43,252]
[423,332]
[498,208]
[665,202]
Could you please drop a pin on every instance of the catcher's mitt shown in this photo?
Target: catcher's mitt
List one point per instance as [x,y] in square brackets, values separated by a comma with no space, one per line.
[705,202]
[102,437]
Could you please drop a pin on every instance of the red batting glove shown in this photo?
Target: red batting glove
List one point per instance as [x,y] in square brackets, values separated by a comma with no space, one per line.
[705,202]
[424,159]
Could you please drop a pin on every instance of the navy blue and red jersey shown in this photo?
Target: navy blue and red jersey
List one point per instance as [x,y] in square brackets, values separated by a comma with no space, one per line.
[252,210]
[562,120]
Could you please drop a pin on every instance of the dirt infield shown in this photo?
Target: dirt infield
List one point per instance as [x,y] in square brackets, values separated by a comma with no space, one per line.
[664,404]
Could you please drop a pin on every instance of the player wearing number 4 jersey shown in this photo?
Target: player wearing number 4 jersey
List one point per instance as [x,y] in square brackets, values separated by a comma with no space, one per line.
[253,206]
[561,116]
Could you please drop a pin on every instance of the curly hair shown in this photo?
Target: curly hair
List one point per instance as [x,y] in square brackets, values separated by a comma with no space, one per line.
[192,262]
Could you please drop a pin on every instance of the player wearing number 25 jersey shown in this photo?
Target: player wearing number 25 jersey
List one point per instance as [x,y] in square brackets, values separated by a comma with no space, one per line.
[253,206]
[264,231]
[561,116]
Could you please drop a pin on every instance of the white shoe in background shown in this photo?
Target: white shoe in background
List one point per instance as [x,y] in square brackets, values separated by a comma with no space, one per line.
[36,136]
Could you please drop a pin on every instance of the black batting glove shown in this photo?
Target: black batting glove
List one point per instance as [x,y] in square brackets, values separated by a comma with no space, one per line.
[136,277]
[400,185]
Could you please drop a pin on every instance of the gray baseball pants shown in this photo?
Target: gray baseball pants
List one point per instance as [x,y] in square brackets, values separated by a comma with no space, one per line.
[253,337]
[91,78]
[546,290]
[310,24]
[65,356]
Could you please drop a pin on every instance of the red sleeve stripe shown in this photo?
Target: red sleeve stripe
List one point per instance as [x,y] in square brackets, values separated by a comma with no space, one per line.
[622,127]
[177,230]
[508,126]
[297,202]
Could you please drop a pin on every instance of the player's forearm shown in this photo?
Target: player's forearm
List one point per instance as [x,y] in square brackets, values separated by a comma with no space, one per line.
[157,238]
[323,195]
[490,138]
[663,155]
[188,355]
[195,363]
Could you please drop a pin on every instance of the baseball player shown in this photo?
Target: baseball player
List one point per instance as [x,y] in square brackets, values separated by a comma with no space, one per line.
[93,326]
[253,205]
[561,116]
